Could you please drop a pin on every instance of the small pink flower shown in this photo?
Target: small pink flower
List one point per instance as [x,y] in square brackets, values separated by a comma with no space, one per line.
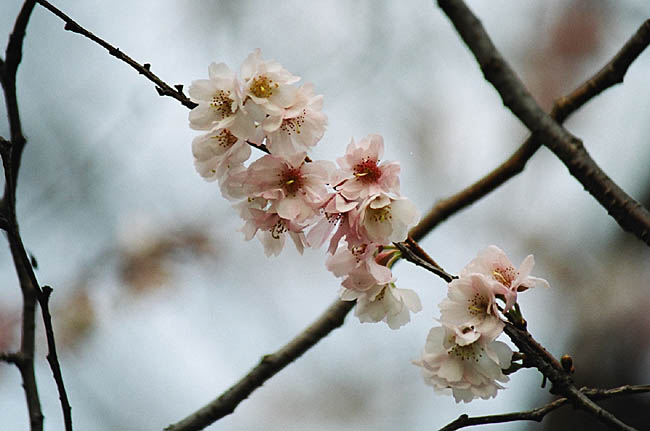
[294,188]
[471,306]
[365,176]
[359,267]
[337,213]
[269,227]
[267,83]
[468,371]
[494,264]
[384,219]
[384,302]
[217,152]
[296,128]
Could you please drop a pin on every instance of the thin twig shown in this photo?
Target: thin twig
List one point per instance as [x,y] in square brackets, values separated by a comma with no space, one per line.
[162,88]
[331,319]
[539,413]
[52,358]
[629,214]
[409,255]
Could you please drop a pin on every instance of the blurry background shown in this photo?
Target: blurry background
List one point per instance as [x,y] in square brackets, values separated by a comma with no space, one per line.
[160,305]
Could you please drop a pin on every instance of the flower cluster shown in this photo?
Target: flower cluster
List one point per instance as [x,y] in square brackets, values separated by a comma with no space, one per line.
[462,354]
[355,204]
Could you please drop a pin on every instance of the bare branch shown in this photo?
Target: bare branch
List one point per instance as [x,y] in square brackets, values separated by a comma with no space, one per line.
[412,257]
[162,88]
[539,413]
[538,357]
[629,214]
[52,358]
[331,319]
[611,74]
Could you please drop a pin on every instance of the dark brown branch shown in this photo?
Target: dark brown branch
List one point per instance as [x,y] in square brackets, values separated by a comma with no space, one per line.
[539,358]
[629,214]
[539,413]
[331,319]
[162,88]
[611,74]
[52,358]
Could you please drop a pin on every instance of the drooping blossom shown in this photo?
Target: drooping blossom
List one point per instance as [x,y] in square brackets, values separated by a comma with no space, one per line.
[298,127]
[269,227]
[384,302]
[365,176]
[469,371]
[471,307]
[384,219]
[295,189]
[268,84]
[493,263]
[359,267]
[218,151]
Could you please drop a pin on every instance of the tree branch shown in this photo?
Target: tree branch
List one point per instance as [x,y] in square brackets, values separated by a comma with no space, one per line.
[162,88]
[52,358]
[331,319]
[539,413]
[539,358]
[611,74]
[629,214]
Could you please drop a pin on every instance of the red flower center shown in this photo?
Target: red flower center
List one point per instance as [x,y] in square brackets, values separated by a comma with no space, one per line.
[367,171]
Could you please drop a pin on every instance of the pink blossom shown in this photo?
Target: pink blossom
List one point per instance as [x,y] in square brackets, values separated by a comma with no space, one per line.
[298,127]
[469,371]
[384,219]
[493,263]
[471,306]
[365,176]
[267,84]
[337,213]
[218,151]
[269,227]
[294,188]
[384,302]
[359,266]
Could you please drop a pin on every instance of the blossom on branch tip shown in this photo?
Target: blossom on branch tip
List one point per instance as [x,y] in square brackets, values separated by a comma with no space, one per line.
[468,371]
[384,302]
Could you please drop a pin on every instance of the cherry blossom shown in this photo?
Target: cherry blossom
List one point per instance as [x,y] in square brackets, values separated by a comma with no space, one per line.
[469,371]
[359,266]
[219,103]
[384,302]
[337,213]
[298,127]
[296,189]
[471,306]
[267,84]
[269,227]
[385,219]
[493,263]
[218,151]
[366,177]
